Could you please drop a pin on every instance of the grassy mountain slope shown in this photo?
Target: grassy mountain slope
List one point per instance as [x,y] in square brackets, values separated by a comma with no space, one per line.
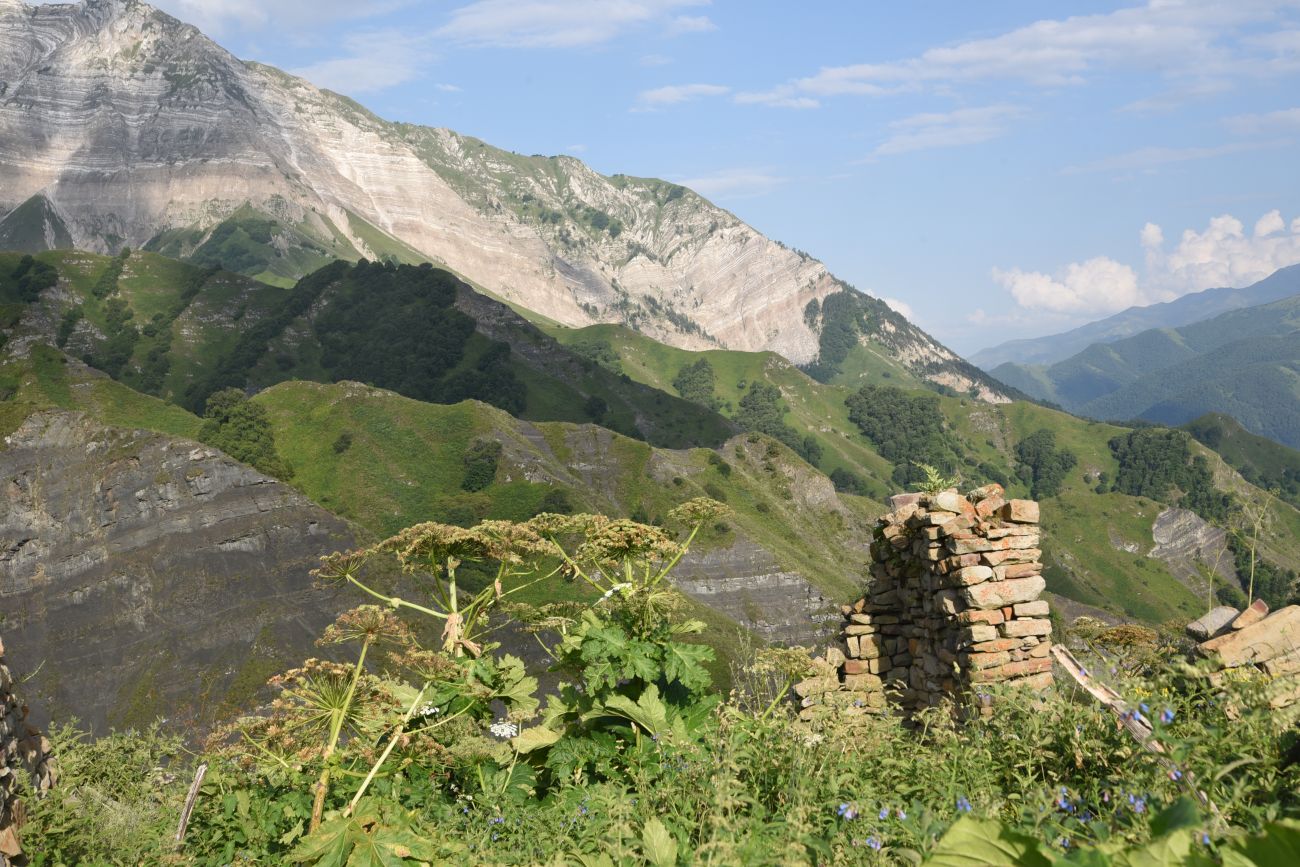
[180,332]
[1243,363]
[1259,460]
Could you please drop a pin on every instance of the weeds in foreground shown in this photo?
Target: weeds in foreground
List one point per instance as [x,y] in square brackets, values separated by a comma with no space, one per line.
[416,755]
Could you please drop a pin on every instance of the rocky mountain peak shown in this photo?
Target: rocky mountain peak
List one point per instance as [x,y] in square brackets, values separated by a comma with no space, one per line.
[136,129]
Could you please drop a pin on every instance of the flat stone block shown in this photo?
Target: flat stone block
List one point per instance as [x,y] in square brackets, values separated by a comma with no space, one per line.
[996,594]
[1032,609]
[1020,511]
[1022,627]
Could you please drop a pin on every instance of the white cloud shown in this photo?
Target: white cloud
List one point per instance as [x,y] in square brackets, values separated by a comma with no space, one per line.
[1149,159]
[447,88]
[777,100]
[684,24]
[1198,41]
[677,93]
[901,307]
[1251,124]
[375,60]
[553,23]
[1097,285]
[1221,255]
[734,183]
[944,130]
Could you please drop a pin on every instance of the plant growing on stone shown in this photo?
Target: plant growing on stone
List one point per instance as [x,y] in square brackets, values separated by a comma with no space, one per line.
[934,481]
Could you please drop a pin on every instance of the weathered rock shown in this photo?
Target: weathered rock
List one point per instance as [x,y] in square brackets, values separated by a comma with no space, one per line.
[1022,627]
[1020,511]
[1256,612]
[1216,621]
[996,594]
[150,573]
[1274,636]
[947,501]
[1032,609]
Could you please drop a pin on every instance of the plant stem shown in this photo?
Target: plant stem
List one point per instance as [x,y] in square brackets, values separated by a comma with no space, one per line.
[388,750]
[336,730]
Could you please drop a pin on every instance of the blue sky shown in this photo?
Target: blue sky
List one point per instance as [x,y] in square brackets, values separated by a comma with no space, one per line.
[997,173]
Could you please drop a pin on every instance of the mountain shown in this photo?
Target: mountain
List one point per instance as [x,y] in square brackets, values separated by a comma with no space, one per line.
[1190,308]
[1262,462]
[116,481]
[119,125]
[1245,363]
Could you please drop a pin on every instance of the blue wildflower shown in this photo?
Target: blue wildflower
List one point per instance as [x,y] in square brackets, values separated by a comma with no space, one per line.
[1166,716]
[963,805]
[1140,805]
[884,813]
[496,820]
[874,842]
[1205,839]
[847,812]
[1144,707]
[902,815]
[1175,775]
[1065,842]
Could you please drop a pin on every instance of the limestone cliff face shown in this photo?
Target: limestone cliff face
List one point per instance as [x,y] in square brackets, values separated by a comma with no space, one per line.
[144,575]
[128,124]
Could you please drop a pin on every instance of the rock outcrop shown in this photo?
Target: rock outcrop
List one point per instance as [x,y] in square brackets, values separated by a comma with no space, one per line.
[145,576]
[119,124]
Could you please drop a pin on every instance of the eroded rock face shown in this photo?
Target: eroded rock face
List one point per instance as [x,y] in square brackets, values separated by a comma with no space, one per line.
[145,576]
[1191,547]
[128,123]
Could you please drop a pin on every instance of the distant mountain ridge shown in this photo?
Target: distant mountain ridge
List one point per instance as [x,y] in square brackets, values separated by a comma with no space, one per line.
[119,125]
[1170,314]
[1244,363]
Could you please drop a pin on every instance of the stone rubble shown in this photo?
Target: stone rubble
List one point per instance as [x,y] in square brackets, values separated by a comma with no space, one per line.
[951,606]
[23,751]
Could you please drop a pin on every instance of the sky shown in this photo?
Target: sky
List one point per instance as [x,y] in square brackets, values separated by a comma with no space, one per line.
[993,173]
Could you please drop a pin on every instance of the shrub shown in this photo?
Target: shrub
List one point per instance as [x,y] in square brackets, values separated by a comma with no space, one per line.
[480,461]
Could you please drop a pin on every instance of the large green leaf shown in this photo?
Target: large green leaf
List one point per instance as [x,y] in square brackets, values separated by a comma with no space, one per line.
[534,738]
[974,842]
[1279,844]
[657,844]
[685,663]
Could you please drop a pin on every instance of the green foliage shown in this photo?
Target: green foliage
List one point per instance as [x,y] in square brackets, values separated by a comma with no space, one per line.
[1158,463]
[28,280]
[106,283]
[598,352]
[241,429]
[762,411]
[905,428]
[849,482]
[480,459]
[932,481]
[1262,462]
[1042,466]
[68,324]
[696,383]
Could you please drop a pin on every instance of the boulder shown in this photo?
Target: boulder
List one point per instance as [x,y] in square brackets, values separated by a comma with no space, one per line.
[1274,636]
[1257,611]
[1217,621]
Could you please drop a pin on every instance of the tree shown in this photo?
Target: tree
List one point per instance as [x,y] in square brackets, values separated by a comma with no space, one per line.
[695,382]
[480,460]
[1042,466]
[242,429]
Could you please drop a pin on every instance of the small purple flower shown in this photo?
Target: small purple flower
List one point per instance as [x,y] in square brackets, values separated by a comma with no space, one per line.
[1175,775]
[1140,805]
[884,813]
[1065,842]
[1144,707]
[963,805]
[497,820]
[1105,796]
[847,812]
[1205,839]
[1166,716]
[874,842]
[901,814]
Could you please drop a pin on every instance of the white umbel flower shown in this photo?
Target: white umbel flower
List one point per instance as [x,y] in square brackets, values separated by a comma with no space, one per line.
[503,729]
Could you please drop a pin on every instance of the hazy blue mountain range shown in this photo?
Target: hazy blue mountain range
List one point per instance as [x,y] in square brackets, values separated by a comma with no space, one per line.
[1245,363]
[1171,314]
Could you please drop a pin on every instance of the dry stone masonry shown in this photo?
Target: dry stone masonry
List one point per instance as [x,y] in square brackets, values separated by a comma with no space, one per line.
[24,752]
[951,607]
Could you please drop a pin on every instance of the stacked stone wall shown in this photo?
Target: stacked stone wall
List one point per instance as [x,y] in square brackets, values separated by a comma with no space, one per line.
[24,754]
[952,606]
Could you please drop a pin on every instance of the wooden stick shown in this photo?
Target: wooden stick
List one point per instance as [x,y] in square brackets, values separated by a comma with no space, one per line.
[1134,723]
[189,803]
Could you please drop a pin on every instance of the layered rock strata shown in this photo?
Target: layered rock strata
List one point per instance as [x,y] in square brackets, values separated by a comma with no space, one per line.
[24,754]
[1255,638]
[145,576]
[952,606]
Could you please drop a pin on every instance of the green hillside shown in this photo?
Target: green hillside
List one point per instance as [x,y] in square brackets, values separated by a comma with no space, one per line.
[181,332]
[1260,461]
[432,353]
[1244,363]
